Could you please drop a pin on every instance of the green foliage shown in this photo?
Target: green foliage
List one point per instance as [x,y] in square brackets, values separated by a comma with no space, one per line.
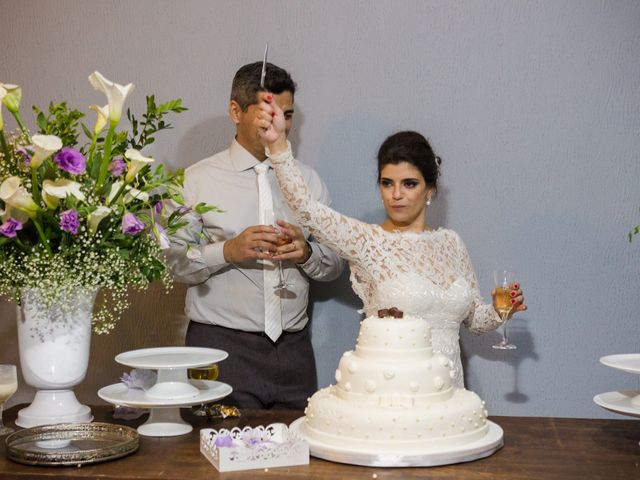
[143,132]
[61,121]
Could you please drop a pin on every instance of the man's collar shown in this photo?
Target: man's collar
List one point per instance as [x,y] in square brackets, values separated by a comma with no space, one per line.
[241,159]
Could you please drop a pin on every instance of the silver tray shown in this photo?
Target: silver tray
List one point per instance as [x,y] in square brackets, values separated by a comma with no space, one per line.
[71,444]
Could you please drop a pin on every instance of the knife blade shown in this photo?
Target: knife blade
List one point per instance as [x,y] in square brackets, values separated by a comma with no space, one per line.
[264,65]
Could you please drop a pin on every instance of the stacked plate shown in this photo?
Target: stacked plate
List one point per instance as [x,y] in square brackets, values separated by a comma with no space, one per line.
[172,390]
[626,402]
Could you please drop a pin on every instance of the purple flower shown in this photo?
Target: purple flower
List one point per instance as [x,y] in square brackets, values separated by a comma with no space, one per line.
[71,160]
[157,208]
[10,227]
[131,225]
[26,155]
[117,167]
[69,221]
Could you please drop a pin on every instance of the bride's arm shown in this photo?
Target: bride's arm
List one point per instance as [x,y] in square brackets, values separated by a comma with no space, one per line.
[483,317]
[344,235]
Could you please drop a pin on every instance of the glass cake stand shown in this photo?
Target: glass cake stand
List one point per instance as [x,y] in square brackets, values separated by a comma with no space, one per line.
[355,455]
[172,390]
[626,402]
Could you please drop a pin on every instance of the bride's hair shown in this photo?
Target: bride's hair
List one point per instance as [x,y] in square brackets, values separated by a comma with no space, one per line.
[411,147]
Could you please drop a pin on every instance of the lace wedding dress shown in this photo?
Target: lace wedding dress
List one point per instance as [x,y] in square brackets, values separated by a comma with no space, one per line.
[428,274]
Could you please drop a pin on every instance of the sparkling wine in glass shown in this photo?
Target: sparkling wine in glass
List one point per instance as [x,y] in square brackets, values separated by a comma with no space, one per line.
[503,280]
[282,240]
[8,386]
[208,372]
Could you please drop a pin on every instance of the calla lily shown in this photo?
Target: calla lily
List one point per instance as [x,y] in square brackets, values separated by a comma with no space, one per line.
[96,217]
[44,146]
[10,212]
[12,98]
[130,193]
[3,93]
[54,191]
[116,94]
[16,196]
[135,194]
[136,162]
[103,117]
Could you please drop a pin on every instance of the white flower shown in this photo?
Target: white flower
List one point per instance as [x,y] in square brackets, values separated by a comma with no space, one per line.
[12,98]
[3,93]
[96,217]
[116,94]
[14,213]
[130,193]
[103,117]
[54,191]
[136,162]
[44,146]
[135,194]
[14,195]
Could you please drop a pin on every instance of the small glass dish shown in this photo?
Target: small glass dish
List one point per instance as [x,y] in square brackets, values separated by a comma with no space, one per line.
[71,444]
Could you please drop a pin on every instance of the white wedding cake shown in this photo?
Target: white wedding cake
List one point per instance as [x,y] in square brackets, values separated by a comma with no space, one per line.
[394,394]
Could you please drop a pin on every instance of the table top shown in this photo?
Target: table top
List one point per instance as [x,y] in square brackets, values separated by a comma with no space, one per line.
[534,448]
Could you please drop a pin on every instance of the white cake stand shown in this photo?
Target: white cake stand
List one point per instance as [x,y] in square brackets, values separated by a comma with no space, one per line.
[355,455]
[626,402]
[172,389]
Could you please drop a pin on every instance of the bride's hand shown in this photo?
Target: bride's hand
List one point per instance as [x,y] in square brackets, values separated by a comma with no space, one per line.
[271,123]
[517,299]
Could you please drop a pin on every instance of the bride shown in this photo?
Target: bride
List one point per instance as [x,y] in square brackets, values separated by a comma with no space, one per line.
[402,263]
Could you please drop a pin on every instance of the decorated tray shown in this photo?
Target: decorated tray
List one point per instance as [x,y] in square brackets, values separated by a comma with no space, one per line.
[71,444]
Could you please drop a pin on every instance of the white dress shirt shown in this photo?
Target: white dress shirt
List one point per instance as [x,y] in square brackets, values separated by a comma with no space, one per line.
[231,295]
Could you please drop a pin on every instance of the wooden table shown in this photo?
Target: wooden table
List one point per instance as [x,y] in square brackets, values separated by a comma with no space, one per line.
[535,448]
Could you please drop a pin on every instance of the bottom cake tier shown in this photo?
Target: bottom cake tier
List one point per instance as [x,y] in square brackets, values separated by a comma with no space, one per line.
[459,420]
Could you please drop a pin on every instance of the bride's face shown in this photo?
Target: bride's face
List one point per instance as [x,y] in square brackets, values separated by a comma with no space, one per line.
[404,194]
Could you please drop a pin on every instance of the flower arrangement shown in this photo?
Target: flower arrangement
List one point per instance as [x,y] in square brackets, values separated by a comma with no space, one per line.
[79,216]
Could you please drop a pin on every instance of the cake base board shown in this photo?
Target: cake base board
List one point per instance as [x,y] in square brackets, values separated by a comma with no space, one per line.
[481,448]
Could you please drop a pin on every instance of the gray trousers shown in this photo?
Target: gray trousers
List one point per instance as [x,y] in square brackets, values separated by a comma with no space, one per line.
[263,374]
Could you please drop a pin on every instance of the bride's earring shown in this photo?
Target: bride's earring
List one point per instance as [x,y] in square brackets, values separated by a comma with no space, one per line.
[428,202]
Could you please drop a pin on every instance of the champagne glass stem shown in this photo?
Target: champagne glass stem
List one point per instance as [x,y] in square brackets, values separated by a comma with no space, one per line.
[505,322]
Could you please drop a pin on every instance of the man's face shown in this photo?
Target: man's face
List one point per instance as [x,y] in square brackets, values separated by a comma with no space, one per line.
[247,132]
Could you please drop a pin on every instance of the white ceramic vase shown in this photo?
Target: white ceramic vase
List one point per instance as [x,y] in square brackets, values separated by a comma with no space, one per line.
[54,348]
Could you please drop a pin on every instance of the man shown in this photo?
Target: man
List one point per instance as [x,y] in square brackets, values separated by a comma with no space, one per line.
[233,303]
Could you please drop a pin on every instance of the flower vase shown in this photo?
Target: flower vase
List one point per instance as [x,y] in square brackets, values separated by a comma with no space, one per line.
[54,340]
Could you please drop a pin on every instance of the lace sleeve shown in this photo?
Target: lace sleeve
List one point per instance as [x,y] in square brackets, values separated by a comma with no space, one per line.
[482,317]
[344,235]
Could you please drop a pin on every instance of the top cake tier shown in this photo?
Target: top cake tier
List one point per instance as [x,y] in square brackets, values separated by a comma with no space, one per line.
[407,335]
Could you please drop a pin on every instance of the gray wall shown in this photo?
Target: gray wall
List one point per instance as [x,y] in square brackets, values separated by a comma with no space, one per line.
[532,105]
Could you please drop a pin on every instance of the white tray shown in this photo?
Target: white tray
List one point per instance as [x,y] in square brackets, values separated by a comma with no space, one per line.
[620,402]
[171,357]
[627,362]
[164,416]
[481,448]
[120,394]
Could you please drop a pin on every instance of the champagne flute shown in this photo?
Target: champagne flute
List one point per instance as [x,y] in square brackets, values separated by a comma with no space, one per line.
[503,280]
[8,386]
[208,372]
[282,240]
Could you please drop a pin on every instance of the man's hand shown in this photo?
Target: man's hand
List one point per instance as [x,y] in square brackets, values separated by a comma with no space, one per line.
[271,123]
[258,241]
[296,249]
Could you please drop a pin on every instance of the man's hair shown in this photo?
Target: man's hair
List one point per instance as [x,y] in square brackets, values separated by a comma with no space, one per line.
[246,83]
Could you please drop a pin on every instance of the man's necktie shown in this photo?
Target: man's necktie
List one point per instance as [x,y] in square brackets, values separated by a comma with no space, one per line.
[272,307]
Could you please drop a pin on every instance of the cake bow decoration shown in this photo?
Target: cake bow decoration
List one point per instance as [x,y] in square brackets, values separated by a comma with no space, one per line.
[390,312]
